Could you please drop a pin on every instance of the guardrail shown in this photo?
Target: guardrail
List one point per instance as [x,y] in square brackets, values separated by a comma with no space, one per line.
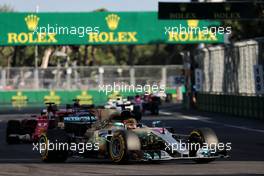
[237,105]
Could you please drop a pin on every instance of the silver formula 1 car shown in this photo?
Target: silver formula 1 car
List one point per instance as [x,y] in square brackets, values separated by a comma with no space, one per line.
[121,138]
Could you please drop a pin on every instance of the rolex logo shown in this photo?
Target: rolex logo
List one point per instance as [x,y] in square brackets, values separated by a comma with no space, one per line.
[112,21]
[32,22]
[192,23]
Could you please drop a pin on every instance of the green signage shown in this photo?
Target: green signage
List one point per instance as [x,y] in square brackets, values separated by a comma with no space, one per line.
[102,28]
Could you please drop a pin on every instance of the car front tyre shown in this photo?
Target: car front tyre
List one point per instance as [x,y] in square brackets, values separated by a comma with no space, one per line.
[54,155]
[118,147]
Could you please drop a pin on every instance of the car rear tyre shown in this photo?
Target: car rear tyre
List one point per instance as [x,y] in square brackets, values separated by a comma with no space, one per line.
[13,127]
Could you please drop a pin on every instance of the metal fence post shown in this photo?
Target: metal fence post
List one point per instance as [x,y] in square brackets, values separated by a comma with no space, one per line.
[132,76]
[57,84]
[75,76]
[101,75]
[69,72]
[3,77]
[164,76]
[36,79]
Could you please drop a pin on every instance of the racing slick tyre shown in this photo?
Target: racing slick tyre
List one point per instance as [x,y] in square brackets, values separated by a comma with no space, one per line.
[13,127]
[201,137]
[118,147]
[123,146]
[48,142]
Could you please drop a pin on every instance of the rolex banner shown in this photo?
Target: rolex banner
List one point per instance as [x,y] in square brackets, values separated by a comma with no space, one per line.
[101,28]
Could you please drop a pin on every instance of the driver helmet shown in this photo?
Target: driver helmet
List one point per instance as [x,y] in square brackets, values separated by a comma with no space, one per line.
[131,123]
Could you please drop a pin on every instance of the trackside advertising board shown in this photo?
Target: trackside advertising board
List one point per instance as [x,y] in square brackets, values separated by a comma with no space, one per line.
[101,28]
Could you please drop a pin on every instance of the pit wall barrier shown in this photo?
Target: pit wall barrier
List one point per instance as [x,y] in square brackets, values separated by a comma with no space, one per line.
[237,105]
[34,98]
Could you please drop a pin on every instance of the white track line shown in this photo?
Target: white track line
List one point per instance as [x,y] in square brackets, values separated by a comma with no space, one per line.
[165,113]
[189,117]
[18,159]
[245,128]
[218,123]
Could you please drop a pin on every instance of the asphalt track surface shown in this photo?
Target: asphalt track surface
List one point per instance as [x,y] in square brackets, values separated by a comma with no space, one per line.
[246,136]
